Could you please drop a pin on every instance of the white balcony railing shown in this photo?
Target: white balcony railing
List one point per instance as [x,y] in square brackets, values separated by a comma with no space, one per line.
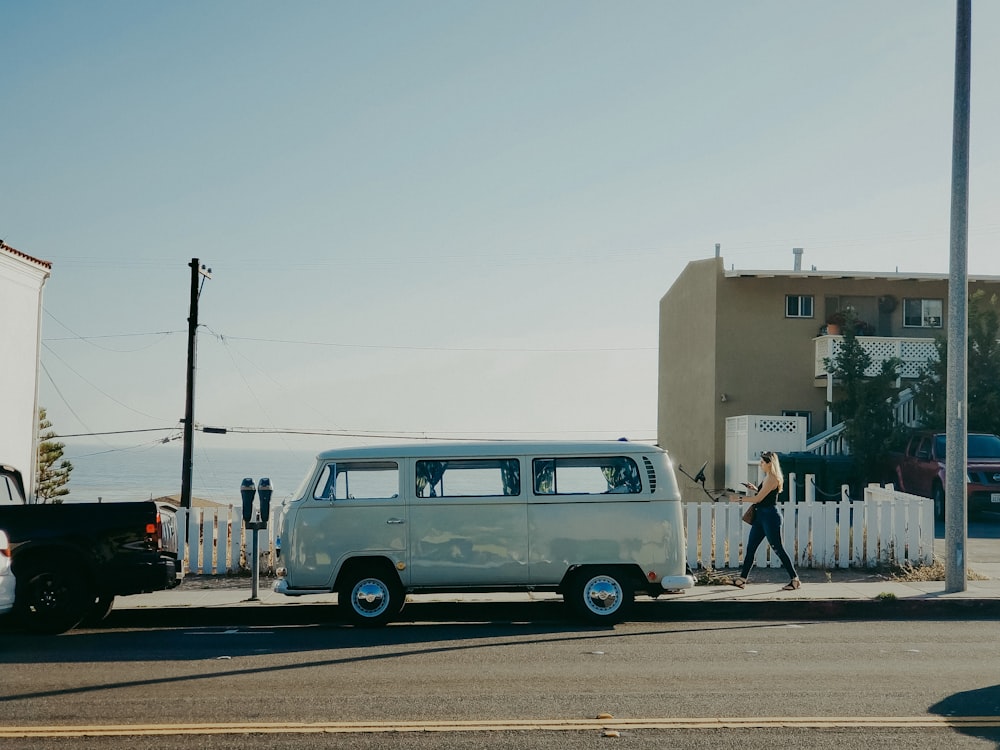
[914,352]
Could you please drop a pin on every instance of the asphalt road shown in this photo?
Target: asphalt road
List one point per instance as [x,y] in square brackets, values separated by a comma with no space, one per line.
[665,684]
[472,677]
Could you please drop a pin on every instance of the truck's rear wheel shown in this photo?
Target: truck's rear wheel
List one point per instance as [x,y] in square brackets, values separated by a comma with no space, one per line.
[601,596]
[52,598]
[371,597]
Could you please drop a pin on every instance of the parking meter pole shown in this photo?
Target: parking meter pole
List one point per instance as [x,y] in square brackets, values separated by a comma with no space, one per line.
[247,492]
[264,491]
[255,564]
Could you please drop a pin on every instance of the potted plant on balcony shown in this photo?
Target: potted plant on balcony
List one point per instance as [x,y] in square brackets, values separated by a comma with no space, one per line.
[835,323]
[863,328]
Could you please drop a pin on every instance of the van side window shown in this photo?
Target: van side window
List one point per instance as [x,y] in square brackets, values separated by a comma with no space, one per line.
[597,475]
[358,480]
[475,477]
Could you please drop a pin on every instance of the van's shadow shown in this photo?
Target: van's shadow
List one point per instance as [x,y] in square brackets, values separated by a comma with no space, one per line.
[229,651]
[971,703]
[167,634]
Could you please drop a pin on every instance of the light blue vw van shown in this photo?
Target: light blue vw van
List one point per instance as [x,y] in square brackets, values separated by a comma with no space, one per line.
[597,522]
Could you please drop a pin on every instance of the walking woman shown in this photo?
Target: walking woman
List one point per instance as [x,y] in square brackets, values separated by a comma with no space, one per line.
[767,522]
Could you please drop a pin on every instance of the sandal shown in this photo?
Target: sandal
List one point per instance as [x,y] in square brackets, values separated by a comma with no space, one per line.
[792,585]
[739,582]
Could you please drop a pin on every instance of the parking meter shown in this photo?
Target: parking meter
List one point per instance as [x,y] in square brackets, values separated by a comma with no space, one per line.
[247,491]
[264,491]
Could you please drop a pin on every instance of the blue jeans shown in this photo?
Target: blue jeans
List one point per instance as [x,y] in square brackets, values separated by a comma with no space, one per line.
[766,525]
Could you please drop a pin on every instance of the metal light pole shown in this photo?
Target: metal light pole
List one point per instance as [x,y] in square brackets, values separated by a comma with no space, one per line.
[198,272]
[955,522]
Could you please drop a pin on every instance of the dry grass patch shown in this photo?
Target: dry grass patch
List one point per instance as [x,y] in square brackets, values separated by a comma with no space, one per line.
[898,572]
[934,572]
[710,577]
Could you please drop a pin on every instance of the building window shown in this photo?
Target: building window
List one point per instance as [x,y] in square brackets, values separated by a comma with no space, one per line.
[799,413]
[922,313]
[798,306]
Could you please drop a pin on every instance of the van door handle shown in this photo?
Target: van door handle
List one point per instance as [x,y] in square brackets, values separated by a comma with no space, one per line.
[395,520]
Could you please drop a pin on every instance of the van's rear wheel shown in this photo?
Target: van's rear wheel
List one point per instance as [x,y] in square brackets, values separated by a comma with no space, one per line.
[371,597]
[601,596]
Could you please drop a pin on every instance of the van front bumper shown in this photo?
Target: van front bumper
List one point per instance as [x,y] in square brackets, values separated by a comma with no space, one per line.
[676,583]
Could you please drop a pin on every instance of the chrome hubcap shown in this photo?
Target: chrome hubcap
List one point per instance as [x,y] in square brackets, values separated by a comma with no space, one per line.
[603,595]
[370,597]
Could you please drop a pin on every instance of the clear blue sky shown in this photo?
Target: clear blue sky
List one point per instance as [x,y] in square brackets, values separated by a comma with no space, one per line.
[455,218]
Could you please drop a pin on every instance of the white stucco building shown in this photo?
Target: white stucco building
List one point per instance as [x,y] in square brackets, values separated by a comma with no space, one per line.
[21,281]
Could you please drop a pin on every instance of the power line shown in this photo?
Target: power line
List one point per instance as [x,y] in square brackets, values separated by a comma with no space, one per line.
[96,388]
[508,350]
[358,433]
[118,432]
[79,337]
[55,387]
[90,339]
[389,347]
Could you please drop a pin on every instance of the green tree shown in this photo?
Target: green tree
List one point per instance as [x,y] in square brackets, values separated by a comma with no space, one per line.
[983,363]
[866,404]
[52,480]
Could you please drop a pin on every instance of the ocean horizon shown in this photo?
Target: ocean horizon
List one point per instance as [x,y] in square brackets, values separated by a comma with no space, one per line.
[103,473]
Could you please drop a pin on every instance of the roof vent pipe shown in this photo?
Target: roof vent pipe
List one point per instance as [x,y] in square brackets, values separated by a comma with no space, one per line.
[718,249]
[797,252]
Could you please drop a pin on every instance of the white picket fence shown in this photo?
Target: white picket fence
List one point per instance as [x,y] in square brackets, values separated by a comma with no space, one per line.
[212,541]
[887,527]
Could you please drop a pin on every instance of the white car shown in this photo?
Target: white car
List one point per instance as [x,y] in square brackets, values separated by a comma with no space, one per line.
[6,576]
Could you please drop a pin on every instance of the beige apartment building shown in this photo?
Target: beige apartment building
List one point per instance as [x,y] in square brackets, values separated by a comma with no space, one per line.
[752,342]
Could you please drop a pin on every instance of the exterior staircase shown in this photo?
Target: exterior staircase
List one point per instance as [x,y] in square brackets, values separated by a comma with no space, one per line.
[831,442]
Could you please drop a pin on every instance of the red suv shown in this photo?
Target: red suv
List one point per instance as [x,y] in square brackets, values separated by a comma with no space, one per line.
[919,470]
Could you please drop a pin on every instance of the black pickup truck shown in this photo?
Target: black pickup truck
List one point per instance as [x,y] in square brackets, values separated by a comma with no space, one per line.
[72,559]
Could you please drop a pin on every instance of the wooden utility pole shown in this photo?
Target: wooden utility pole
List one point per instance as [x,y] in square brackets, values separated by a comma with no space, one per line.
[198,273]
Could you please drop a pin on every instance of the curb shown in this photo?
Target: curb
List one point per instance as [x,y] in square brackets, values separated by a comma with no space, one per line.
[556,613]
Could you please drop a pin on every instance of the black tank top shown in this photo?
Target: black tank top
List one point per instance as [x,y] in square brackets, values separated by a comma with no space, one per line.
[770,500]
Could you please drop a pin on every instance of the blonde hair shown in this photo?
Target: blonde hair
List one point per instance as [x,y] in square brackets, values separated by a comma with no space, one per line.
[770,459]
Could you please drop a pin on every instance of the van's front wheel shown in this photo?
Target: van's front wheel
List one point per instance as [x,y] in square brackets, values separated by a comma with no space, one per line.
[371,598]
[601,597]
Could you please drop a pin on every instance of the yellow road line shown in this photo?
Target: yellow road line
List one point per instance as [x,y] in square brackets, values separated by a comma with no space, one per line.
[549,725]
